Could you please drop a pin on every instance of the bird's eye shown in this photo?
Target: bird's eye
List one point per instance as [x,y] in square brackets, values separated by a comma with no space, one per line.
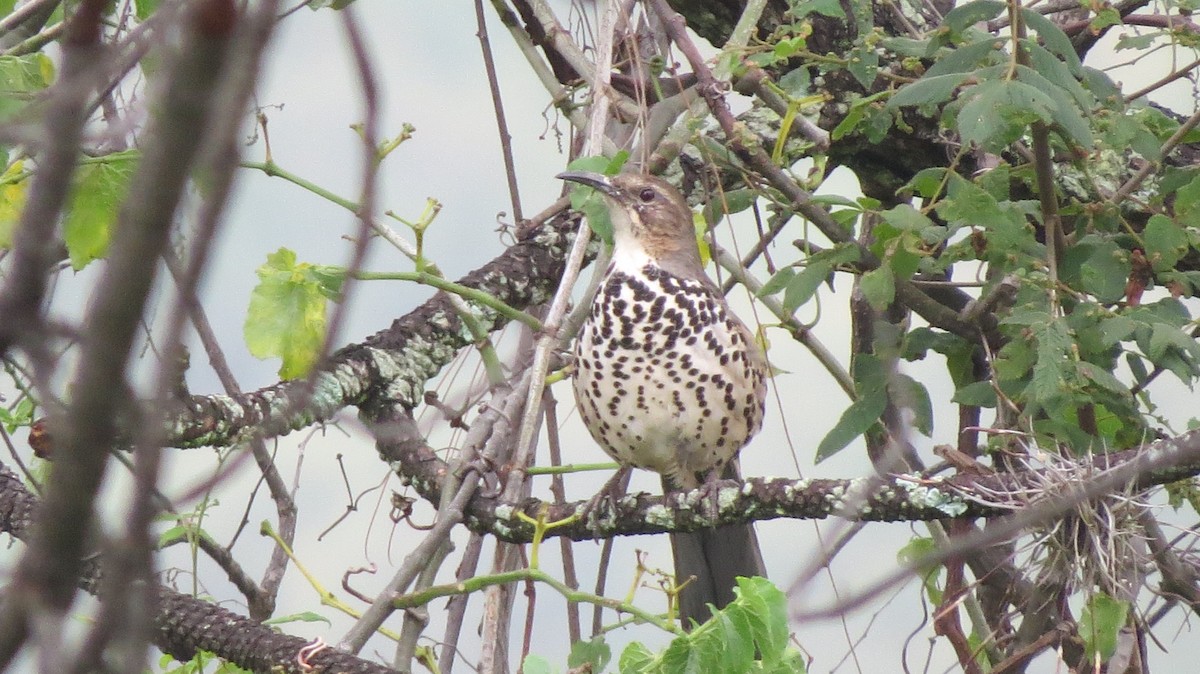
[646,195]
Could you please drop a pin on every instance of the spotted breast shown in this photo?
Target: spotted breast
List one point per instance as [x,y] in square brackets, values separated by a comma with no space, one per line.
[667,378]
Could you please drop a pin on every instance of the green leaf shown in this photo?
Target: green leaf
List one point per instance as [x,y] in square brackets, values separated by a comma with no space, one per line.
[878,286]
[830,8]
[777,282]
[1166,242]
[835,200]
[1053,353]
[1100,623]
[998,112]
[1054,70]
[13,186]
[965,16]
[1067,118]
[1137,41]
[906,46]
[1102,377]
[635,658]
[1187,200]
[594,652]
[20,415]
[910,393]
[928,92]
[20,78]
[904,216]
[864,64]
[286,318]
[1107,16]
[802,287]
[967,58]
[914,551]
[734,201]
[535,664]
[1101,85]
[181,532]
[855,421]
[1054,38]
[756,620]
[145,8]
[100,188]
[976,394]
[969,204]
[1099,267]
[1165,338]
[926,183]
[587,200]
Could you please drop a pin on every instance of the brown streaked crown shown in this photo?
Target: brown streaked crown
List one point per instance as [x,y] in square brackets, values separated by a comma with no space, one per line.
[649,212]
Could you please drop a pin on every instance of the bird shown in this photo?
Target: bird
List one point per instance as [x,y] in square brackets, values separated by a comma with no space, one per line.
[666,378]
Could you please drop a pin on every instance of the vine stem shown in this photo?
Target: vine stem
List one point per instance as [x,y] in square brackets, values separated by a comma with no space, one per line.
[465,292]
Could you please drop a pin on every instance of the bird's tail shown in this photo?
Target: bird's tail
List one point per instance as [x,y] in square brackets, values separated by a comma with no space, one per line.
[713,559]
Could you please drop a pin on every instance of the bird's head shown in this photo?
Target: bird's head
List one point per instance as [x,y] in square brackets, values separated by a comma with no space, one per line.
[648,213]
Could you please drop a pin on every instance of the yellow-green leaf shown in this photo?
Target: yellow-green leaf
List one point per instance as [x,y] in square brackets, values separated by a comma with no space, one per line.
[13,184]
[287,314]
[1101,622]
[100,188]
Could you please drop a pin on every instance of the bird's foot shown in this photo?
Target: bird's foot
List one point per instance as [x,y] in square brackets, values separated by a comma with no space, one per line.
[612,490]
[710,490]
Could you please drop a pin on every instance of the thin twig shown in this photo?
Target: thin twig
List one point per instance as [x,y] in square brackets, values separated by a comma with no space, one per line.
[489,65]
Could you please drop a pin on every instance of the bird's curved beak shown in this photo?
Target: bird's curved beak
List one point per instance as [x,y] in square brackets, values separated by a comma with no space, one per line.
[598,181]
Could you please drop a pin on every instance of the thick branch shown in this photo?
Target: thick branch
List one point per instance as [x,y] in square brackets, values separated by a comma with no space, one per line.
[896,499]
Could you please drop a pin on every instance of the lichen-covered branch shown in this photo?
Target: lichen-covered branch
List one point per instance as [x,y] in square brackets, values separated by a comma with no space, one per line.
[902,498]
[392,365]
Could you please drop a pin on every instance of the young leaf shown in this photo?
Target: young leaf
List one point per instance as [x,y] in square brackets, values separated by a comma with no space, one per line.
[1067,119]
[928,92]
[976,394]
[830,8]
[594,652]
[1101,622]
[286,318]
[12,201]
[864,64]
[916,549]
[967,58]
[1051,366]
[1056,40]
[998,112]
[587,200]
[964,16]
[535,664]
[906,217]
[910,393]
[1166,242]
[777,282]
[855,421]
[802,287]
[100,187]
[1187,200]
[636,658]
[878,286]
